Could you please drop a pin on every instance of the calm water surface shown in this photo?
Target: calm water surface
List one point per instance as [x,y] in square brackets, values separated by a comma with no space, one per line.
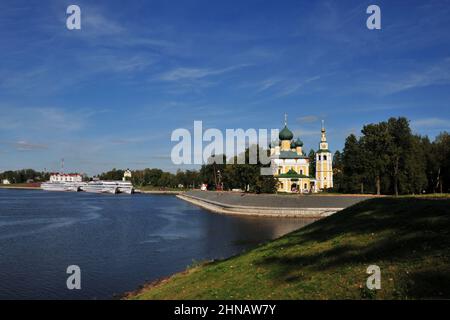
[119,242]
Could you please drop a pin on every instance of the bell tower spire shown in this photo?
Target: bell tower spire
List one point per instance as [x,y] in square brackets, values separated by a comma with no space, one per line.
[323,138]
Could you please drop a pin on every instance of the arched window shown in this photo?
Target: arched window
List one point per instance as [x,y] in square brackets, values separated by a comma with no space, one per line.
[324,157]
[320,157]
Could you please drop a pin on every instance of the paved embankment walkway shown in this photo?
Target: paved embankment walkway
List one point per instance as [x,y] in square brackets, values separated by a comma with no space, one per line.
[160,192]
[305,206]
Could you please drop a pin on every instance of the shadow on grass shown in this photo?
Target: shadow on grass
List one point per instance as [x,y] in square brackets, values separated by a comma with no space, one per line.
[407,231]
[428,284]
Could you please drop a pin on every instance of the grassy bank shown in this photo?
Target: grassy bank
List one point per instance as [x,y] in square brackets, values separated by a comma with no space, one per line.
[408,238]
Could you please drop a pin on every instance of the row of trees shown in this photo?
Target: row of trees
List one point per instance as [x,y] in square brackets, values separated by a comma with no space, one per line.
[389,159]
[216,174]
[233,175]
[157,178]
[24,175]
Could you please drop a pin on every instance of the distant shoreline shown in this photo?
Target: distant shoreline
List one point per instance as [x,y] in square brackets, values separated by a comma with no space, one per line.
[19,187]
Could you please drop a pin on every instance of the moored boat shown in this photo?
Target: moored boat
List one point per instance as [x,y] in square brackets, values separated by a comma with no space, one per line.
[100,187]
[54,186]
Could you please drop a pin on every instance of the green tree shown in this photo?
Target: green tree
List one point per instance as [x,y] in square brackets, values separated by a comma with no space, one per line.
[399,149]
[442,153]
[353,165]
[375,141]
[415,178]
[338,175]
[312,163]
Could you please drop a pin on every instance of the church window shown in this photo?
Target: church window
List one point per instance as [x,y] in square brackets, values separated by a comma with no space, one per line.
[320,158]
[324,157]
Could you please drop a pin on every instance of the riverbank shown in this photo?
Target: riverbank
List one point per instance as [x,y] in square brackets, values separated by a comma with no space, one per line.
[162,192]
[408,238]
[21,186]
[270,205]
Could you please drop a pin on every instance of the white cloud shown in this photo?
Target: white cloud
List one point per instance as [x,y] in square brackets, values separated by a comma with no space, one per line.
[194,73]
[431,123]
[23,145]
[291,88]
[44,119]
[308,119]
[27,146]
[99,25]
[433,75]
[267,84]
[304,133]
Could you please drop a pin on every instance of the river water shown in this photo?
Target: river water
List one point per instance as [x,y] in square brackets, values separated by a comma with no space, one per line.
[118,241]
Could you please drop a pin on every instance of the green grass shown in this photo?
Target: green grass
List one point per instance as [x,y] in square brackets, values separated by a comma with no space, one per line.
[408,238]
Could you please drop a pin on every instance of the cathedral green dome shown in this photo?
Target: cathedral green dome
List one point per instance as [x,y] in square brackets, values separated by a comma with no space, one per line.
[293,145]
[299,143]
[286,134]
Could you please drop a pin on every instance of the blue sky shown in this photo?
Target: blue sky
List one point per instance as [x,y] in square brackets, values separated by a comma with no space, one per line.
[110,94]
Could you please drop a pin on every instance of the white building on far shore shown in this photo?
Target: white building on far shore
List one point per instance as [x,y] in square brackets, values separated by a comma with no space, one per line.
[61,177]
[6,181]
[127,175]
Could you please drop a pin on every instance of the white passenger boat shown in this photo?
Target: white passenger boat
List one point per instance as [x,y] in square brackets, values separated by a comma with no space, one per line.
[125,187]
[100,187]
[62,186]
[54,186]
[75,186]
[93,186]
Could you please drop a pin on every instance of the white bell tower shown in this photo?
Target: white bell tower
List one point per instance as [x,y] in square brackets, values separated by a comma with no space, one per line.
[324,163]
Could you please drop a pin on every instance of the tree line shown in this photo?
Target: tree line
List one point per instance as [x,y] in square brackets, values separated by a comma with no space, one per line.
[389,159]
[224,174]
[24,175]
[157,178]
[238,173]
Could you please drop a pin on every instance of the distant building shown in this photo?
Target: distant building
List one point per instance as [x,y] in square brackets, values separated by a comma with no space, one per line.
[6,181]
[290,164]
[61,177]
[127,175]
